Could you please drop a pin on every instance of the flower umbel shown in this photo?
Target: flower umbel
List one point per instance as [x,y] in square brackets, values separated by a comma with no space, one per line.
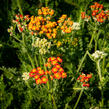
[25,76]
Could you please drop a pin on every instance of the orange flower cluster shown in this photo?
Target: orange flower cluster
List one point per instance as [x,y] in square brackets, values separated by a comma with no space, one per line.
[84,16]
[65,24]
[39,75]
[98,13]
[45,11]
[21,21]
[42,25]
[84,79]
[55,72]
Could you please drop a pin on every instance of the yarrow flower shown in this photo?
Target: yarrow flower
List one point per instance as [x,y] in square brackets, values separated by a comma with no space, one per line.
[46,11]
[98,55]
[97,13]
[41,24]
[76,26]
[54,71]
[42,44]
[84,79]
[25,76]
[10,30]
[65,24]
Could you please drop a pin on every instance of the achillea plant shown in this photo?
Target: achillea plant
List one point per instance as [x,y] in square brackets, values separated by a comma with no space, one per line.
[42,42]
[84,79]
[53,71]
[98,14]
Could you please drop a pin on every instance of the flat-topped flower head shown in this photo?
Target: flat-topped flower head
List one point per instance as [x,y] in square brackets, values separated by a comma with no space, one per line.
[25,76]
[44,79]
[38,81]
[98,55]
[53,71]
[33,72]
[83,78]
[57,75]
[65,24]
[98,15]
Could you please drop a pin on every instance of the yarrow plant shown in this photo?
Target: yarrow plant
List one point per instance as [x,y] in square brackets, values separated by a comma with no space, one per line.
[97,13]
[51,50]
[42,44]
[84,79]
[98,55]
[25,76]
[53,71]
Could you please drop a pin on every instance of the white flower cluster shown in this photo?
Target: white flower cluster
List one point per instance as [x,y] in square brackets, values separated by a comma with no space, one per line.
[43,45]
[98,55]
[25,76]
[76,26]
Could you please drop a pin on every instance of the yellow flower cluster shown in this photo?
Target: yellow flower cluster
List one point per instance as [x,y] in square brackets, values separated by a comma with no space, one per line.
[42,25]
[45,11]
[57,43]
[65,24]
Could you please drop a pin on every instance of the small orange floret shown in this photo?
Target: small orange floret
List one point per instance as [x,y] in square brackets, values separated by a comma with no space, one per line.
[38,68]
[41,72]
[59,59]
[57,75]
[54,70]
[48,64]
[38,81]
[44,79]
[58,66]
[54,62]
[36,77]
[64,75]
[34,70]
[61,69]
[89,75]
[51,77]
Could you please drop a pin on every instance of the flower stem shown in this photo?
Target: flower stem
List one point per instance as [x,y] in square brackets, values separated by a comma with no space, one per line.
[48,86]
[78,99]
[36,61]
[19,6]
[82,62]
[46,3]
[96,39]
[84,57]
[101,88]
[55,107]
[99,70]
[23,42]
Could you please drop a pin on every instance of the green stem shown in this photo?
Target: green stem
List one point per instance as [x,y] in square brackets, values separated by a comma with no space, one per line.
[48,86]
[19,6]
[82,62]
[46,3]
[16,38]
[99,70]
[55,107]
[101,88]
[40,60]
[96,39]
[36,61]
[23,42]
[95,45]
[102,99]
[32,63]
[78,99]
[103,65]
[84,57]
[92,38]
